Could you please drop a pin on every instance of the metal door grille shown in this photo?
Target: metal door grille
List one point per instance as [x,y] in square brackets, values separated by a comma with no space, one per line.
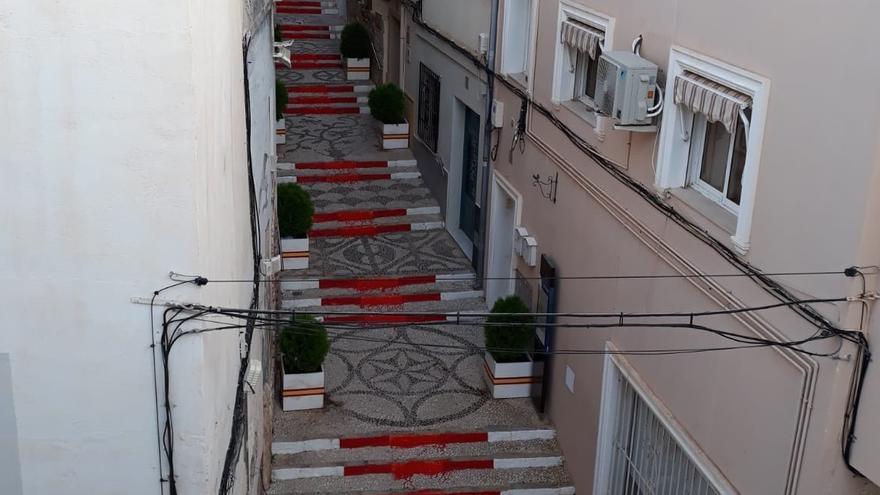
[429,107]
[645,458]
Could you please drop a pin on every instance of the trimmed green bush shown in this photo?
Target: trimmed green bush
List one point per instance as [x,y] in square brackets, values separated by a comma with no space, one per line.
[278,36]
[388,104]
[355,41]
[281,98]
[304,345]
[509,338]
[295,210]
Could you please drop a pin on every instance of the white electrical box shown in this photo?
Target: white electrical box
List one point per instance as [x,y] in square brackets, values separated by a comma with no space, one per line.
[484,43]
[625,87]
[271,266]
[497,114]
[518,234]
[530,250]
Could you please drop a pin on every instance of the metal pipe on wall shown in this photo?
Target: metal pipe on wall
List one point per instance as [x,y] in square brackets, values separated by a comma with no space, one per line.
[480,254]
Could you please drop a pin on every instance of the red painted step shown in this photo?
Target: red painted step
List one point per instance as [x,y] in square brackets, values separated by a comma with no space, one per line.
[384,319]
[296,10]
[307,36]
[316,56]
[325,110]
[321,88]
[361,230]
[357,215]
[303,27]
[383,300]
[408,469]
[302,100]
[317,65]
[407,441]
[342,178]
[299,3]
[373,284]
[341,165]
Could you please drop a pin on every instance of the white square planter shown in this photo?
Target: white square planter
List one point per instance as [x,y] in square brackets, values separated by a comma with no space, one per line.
[511,380]
[303,391]
[295,253]
[280,131]
[357,69]
[395,136]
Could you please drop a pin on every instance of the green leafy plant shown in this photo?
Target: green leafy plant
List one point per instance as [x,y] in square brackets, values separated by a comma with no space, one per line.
[388,104]
[355,41]
[304,345]
[281,98]
[278,36]
[295,211]
[509,337]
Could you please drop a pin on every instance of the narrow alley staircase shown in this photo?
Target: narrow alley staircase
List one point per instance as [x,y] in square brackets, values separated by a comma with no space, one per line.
[407,409]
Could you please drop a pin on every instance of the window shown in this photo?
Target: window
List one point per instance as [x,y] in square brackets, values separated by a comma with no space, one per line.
[583,42]
[585,75]
[717,160]
[640,453]
[429,107]
[583,36]
[711,139]
[517,39]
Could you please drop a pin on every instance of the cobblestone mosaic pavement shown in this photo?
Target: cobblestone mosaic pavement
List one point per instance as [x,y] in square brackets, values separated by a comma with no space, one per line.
[397,377]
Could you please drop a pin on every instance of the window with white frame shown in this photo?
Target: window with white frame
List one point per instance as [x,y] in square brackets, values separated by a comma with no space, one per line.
[712,134]
[583,35]
[517,39]
[640,453]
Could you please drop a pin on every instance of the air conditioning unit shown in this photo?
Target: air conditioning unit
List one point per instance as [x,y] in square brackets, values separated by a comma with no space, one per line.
[625,87]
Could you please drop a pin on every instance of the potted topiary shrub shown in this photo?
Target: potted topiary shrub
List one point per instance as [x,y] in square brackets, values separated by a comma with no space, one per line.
[388,104]
[295,210]
[303,345]
[355,49]
[510,370]
[281,99]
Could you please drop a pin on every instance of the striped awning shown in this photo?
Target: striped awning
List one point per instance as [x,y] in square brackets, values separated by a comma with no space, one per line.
[717,102]
[582,38]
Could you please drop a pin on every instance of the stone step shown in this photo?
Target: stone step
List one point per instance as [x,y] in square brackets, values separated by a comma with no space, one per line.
[351,178]
[414,439]
[384,225]
[313,89]
[414,446]
[381,300]
[447,474]
[346,98]
[344,165]
[349,216]
[451,286]
[372,284]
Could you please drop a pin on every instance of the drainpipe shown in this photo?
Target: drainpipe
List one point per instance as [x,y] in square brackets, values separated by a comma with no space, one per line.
[481,255]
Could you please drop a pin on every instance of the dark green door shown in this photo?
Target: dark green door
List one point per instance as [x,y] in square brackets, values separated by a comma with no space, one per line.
[467,217]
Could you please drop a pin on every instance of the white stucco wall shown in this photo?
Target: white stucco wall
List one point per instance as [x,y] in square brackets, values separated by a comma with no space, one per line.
[461,20]
[124,158]
[461,84]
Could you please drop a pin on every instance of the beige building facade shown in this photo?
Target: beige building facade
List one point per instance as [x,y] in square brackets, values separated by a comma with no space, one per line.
[788,184]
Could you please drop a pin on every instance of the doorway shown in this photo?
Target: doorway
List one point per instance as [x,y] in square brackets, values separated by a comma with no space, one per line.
[504,215]
[470,169]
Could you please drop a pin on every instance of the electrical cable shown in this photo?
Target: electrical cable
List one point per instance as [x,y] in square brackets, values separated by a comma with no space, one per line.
[748,343]
[575,277]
